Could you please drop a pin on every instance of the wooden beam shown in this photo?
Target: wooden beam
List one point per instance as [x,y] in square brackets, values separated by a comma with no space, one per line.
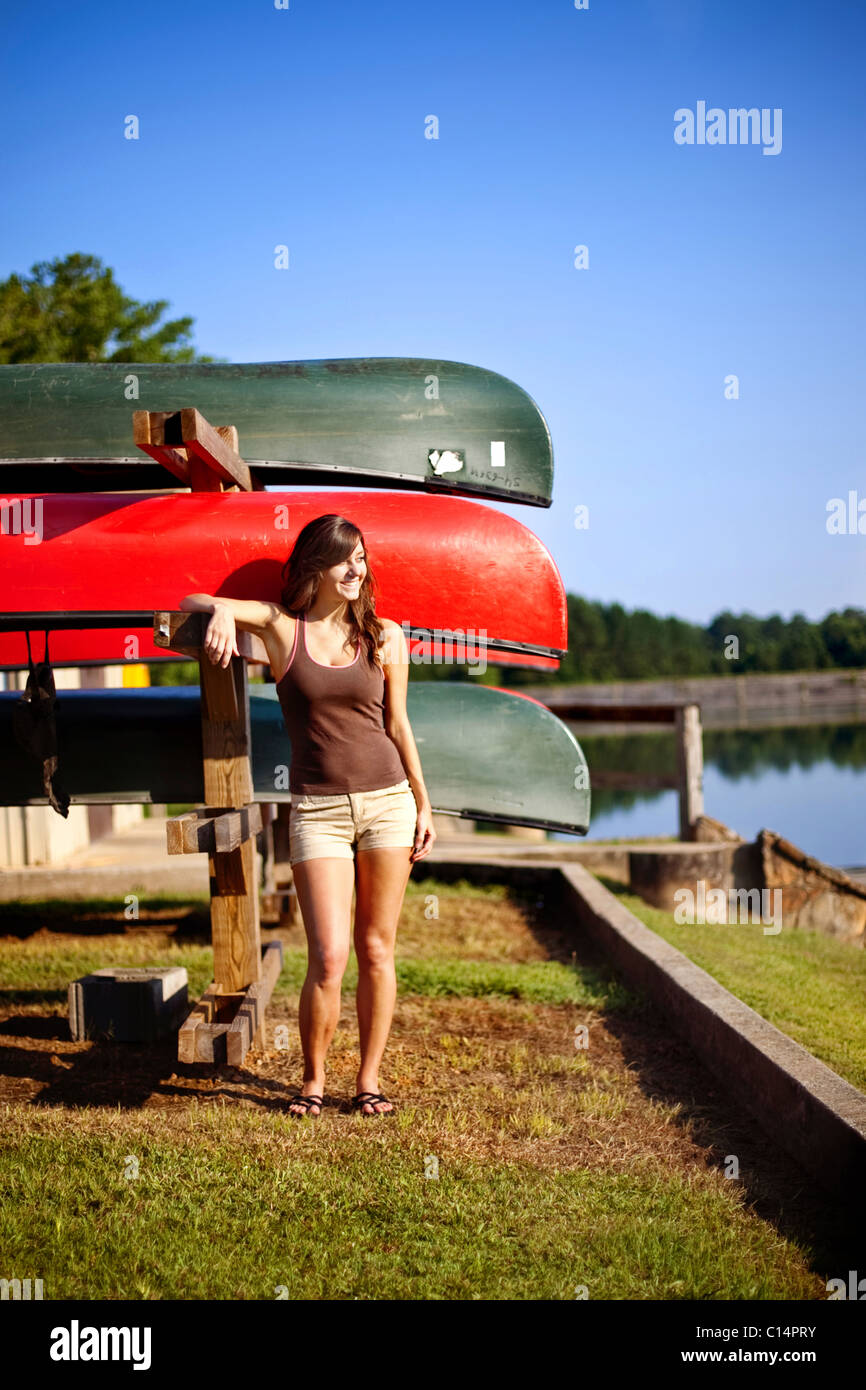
[222,1026]
[203,1012]
[208,461]
[250,1015]
[188,429]
[184,633]
[233,828]
[228,783]
[180,632]
[229,435]
[143,429]
[220,696]
[208,830]
[225,733]
[235,922]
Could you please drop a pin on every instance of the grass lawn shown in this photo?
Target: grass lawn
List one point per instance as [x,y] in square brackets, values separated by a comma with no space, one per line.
[517,1165]
[810,985]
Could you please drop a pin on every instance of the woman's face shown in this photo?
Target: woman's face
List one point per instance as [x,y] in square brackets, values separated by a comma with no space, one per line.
[347,577]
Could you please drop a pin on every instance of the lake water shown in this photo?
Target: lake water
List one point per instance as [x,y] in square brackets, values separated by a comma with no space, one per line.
[808,782]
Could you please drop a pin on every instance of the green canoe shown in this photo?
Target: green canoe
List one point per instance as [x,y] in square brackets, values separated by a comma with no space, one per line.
[380,421]
[487,754]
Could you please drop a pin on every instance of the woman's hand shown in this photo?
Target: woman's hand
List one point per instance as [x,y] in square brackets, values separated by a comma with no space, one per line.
[424,835]
[220,640]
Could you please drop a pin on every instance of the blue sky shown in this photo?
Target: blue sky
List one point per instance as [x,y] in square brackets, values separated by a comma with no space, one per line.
[306,127]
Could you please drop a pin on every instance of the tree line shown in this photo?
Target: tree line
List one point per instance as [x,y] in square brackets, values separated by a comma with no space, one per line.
[608,643]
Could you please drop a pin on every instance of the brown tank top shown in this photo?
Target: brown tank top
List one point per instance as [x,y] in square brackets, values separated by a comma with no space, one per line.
[335,719]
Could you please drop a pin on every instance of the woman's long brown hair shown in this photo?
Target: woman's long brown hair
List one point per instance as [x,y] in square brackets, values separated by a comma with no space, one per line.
[323,542]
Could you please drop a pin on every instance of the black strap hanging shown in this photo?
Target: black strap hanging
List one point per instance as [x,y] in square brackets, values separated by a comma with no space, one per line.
[35,728]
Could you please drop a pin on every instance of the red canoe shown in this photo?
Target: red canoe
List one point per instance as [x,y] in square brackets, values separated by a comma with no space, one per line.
[444,566]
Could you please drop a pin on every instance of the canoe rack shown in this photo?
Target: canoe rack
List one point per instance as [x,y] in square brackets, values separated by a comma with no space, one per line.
[230,1016]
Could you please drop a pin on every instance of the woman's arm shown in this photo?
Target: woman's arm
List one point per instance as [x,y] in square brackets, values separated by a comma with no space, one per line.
[395,659]
[249,615]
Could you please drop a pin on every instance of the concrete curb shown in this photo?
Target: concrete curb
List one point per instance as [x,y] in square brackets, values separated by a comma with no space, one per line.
[817,1116]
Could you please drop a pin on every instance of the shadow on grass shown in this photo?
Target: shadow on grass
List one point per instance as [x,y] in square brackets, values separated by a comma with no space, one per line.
[105,917]
[110,1074]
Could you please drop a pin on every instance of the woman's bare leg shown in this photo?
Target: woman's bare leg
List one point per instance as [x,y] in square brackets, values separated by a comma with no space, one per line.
[381,876]
[324,888]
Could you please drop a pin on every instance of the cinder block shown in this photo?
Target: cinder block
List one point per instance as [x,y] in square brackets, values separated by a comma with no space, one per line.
[133,1005]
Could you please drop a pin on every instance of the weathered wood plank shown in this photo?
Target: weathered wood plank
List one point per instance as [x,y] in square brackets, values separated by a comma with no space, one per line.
[202,1013]
[210,1042]
[209,830]
[190,429]
[223,1024]
[180,632]
[235,922]
[233,828]
[176,832]
[174,460]
[184,633]
[225,733]
[219,693]
[159,433]
[250,1015]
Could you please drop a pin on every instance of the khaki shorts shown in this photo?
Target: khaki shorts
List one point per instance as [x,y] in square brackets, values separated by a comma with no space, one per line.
[329,826]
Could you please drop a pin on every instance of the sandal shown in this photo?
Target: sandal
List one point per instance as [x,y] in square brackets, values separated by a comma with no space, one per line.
[307,1101]
[370,1098]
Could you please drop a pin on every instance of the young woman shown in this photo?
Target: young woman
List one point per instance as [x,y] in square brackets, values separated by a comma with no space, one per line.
[355,779]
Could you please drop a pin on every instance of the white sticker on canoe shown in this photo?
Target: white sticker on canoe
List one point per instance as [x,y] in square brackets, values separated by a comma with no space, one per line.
[497,453]
[445,460]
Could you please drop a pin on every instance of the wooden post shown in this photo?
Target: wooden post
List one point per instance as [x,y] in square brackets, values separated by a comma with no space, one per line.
[231,824]
[225,728]
[690,768]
